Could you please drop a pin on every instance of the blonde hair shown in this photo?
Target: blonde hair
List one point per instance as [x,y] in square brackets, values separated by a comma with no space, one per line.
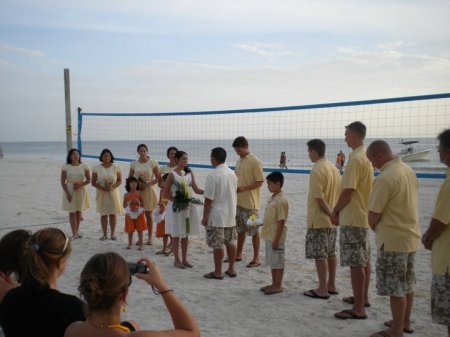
[44,252]
[104,277]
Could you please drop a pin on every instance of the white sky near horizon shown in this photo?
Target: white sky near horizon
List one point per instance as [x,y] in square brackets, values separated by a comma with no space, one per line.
[190,55]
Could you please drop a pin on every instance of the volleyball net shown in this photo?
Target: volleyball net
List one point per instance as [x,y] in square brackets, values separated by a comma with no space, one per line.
[414,121]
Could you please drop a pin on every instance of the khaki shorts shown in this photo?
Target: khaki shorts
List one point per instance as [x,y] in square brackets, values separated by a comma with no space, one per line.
[320,243]
[395,273]
[355,246]
[216,237]
[242,215]
[440,299]
[275,259]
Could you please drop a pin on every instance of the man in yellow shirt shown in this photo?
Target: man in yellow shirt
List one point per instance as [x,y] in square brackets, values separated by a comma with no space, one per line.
[437,238]
[393,215]
[324,182]
[249,171]
[351,213]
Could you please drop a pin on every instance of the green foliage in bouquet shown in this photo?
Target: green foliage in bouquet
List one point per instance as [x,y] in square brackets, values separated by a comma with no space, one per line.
[183,197]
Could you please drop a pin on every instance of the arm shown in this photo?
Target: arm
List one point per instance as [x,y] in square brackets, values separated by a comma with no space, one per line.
[125,203]
[131,173]
[194,185]
[344,200]
[87,180]
[374,219]
[95,183]
[64,185]
[278,232]
[184,324]
[157,175]
[434,231]
[118,181]
[166,190]
[206,209]
[324,206]
[250,187]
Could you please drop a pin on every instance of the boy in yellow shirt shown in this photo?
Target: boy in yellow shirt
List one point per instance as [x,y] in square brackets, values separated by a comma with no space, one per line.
[274,232]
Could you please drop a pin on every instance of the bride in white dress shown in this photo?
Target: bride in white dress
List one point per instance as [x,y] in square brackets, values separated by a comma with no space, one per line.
[176,221]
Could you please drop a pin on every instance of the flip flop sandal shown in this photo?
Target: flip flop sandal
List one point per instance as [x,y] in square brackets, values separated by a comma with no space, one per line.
[348,314]
[312,293]
[211,275]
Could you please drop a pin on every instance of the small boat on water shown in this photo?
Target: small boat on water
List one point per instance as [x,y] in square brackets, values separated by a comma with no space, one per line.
[410,153]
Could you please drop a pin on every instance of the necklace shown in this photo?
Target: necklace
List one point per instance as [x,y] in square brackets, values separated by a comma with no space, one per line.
[110,326]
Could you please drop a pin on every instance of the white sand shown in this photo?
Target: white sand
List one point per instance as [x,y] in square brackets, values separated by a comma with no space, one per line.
[30,197]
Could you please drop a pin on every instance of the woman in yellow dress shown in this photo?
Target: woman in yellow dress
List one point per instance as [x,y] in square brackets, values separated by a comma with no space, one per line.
[146,171]
[106,178]
[75,175]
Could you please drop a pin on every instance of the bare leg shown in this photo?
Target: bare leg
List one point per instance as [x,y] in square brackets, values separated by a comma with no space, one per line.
[332,262]
[358,284]
[409,304]
[278,281]
[231,252]
[175,249]
[104,223]
[130,239]
[149,217]
[73,224]
[218,254]
[398,307]
[78,222]
[322,271]
[240,244]
[367,270]
[141,239]
[256,241]
[184,250]
[112,225]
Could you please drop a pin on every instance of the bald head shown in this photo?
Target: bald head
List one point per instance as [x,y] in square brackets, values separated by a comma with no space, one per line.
[379,153]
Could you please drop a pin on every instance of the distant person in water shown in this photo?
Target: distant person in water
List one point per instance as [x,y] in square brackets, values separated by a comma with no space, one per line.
[283,160]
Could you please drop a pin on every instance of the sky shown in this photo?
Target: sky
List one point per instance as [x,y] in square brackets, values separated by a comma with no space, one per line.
[191,55]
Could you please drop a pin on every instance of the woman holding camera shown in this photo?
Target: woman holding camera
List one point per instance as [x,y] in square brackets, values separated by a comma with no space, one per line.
[104,284]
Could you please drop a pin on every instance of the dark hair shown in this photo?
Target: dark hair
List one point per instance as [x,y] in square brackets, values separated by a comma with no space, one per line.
[106,151]
[317,145]
[444,139]
[141,145]
[276,177]
[12,247]
[128,181]
[164,176]
[170,149]
[219,154]
[44,251]
[240,141]
[69,154]
[180,154]
[104,277]
[358,128]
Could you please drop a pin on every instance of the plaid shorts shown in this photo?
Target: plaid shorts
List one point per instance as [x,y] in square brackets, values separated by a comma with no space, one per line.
[395,273]
[440,299]
[355,246]
[216,237]
[242,215]
[275,259]
[320,243]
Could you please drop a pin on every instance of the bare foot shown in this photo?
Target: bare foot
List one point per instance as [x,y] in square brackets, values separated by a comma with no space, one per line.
[265,287]
[187,264]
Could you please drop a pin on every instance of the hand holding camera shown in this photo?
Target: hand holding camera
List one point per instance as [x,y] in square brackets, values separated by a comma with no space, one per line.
[149,272]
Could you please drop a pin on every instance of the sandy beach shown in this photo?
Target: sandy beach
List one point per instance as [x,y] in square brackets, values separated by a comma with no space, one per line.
[30,198]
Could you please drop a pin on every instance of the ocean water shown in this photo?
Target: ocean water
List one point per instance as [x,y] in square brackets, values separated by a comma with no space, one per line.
[268,150]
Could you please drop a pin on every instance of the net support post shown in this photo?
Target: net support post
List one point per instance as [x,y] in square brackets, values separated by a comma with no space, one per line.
[67,104]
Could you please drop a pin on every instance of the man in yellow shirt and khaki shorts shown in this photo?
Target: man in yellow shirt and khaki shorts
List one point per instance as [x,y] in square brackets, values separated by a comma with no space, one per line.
[351,213]
[437,238]
[393,215]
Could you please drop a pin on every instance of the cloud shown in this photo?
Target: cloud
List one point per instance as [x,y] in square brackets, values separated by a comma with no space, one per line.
[4,47]
[265,49]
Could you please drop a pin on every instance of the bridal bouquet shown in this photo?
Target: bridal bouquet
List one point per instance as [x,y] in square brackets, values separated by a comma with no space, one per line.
[254,220]
[182,200]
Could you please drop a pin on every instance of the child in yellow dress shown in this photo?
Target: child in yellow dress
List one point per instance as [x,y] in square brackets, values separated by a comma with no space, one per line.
[134,212]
